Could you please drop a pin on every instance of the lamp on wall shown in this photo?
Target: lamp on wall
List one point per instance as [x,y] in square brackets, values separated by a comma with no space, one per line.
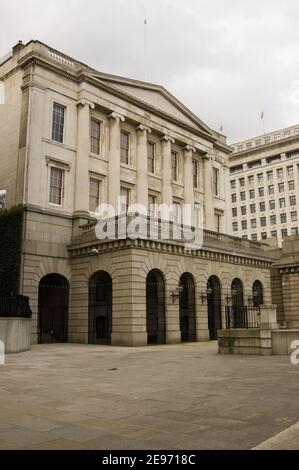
[205,295]
[176,294]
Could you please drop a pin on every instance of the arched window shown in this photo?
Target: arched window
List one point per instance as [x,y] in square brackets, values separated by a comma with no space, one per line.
[100,308]
[237,293]
[155,307]
[214,306]
[187,308]
[257,294]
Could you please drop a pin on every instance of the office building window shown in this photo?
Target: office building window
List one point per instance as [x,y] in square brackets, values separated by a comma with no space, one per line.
[151,149]
[235,212]
[263,221]
[124,147]
[242,181]
[234,197]
[243,196]
[283,218]
[272,204]
[294,231]
[216,181]
[279,172]
[244,224]
[273,219]
[58,122]
[174,165]
[282,203]
[94,194]
[271,189]
[243,210]
[254,237]
[290,170]
[195,173]
[235,226]
[291,185]
[294,216]
[95,136]
[125,195]
[262,206]
[233,184]
[260,177]
[252,208]
[250,179]
[270,175]
[281,187]
[56,186]
[292,200]
[274,233]
[264,235]
[252,194]
[261,192]
[253,223]
[284,233]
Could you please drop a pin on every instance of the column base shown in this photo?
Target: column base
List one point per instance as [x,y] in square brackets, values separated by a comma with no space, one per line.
[173,337]
[129,339]
[203,335]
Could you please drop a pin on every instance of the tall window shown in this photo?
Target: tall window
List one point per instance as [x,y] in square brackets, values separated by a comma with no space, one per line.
[56,186]
[291,185]
[251,193]
[152,201]
[124,147]
[233,184]
[95,136]
[125,199]
[58,122]
[174,165]
[94,194]
[176,212]
[218,218]
[216,181]
[151,157]
[235,226]
[292,200]
[195,173]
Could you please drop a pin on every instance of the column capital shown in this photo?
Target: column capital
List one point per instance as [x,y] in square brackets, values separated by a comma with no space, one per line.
[189,148]
[143,128]
[85,102]
[167,138]
[116,116]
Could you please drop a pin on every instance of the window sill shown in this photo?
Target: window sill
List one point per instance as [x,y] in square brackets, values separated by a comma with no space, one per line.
[59,144]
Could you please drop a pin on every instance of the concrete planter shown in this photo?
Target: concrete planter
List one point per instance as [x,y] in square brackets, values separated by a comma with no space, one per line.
[15,333]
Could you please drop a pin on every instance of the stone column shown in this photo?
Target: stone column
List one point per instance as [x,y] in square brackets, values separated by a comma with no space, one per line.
[202,323]
[82,158]
[141,165]
[188,179]
[209,222]
[35,186]
[114,160]
[166,170]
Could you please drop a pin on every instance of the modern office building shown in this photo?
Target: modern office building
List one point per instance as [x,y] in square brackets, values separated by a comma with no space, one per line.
[72,137]
[264,185]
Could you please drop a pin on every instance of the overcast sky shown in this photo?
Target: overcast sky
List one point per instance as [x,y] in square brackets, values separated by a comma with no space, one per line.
[227,60]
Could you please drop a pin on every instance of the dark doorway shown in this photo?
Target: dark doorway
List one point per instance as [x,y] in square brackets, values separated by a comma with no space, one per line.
[100,308]
[214,306]
[53,297]
[257,294]
[237,293]
[187,308]
[155,307]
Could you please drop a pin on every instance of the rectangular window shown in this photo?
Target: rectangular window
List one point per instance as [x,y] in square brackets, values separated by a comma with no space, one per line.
[294,231]
[176,212]
[291,185]
[125,199]
[272,204]
[264,235]
[216,181]
[282,203]
[250,179]
[198,215]
[253,223]
[233,184]
[242,196]
[290,170]
[152,203]
[262,206]
[151,157]
[292,200]
[94,194]
[174,165]
[56,186]
[283,218]
[243,210]
[270,175]
[95,136]
[252,208]
[260,177]
[218,218]
[244,224]
[252,194]
[294,216]
[271,189]
[281,187]
[279,172]
[58,122]
[284,233]
[273,219]
[235,212]
[254,237]
[263,221]
[234,197]
[235,226]
[195,173]
[261,192]
[242,181]
[274,233]
[124,147]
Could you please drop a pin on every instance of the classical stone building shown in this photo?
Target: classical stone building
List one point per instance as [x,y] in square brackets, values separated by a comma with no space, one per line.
[264,185]
[71,138]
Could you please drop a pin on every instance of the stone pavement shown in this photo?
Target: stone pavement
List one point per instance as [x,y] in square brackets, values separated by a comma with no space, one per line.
[157,397]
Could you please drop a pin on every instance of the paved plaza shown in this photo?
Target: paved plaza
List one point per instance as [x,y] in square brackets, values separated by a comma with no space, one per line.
[69,396]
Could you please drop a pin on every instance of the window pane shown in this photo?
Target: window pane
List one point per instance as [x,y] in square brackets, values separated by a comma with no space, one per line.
[174,166]
[94,194]
[124,147]
[56,183]
[58,122]
[151,157]
[95,136]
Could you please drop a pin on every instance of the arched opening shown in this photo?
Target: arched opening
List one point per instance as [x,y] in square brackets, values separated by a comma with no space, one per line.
[100,308]
[53,295]
[257,294]
[187,308]
[214,306]
[237,293]
[155,307]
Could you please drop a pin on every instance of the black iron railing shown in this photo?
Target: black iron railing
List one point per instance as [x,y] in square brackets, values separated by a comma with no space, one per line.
[15,306]
[242,317]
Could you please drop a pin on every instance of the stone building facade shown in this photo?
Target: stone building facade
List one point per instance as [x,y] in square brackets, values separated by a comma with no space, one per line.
[71,138]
